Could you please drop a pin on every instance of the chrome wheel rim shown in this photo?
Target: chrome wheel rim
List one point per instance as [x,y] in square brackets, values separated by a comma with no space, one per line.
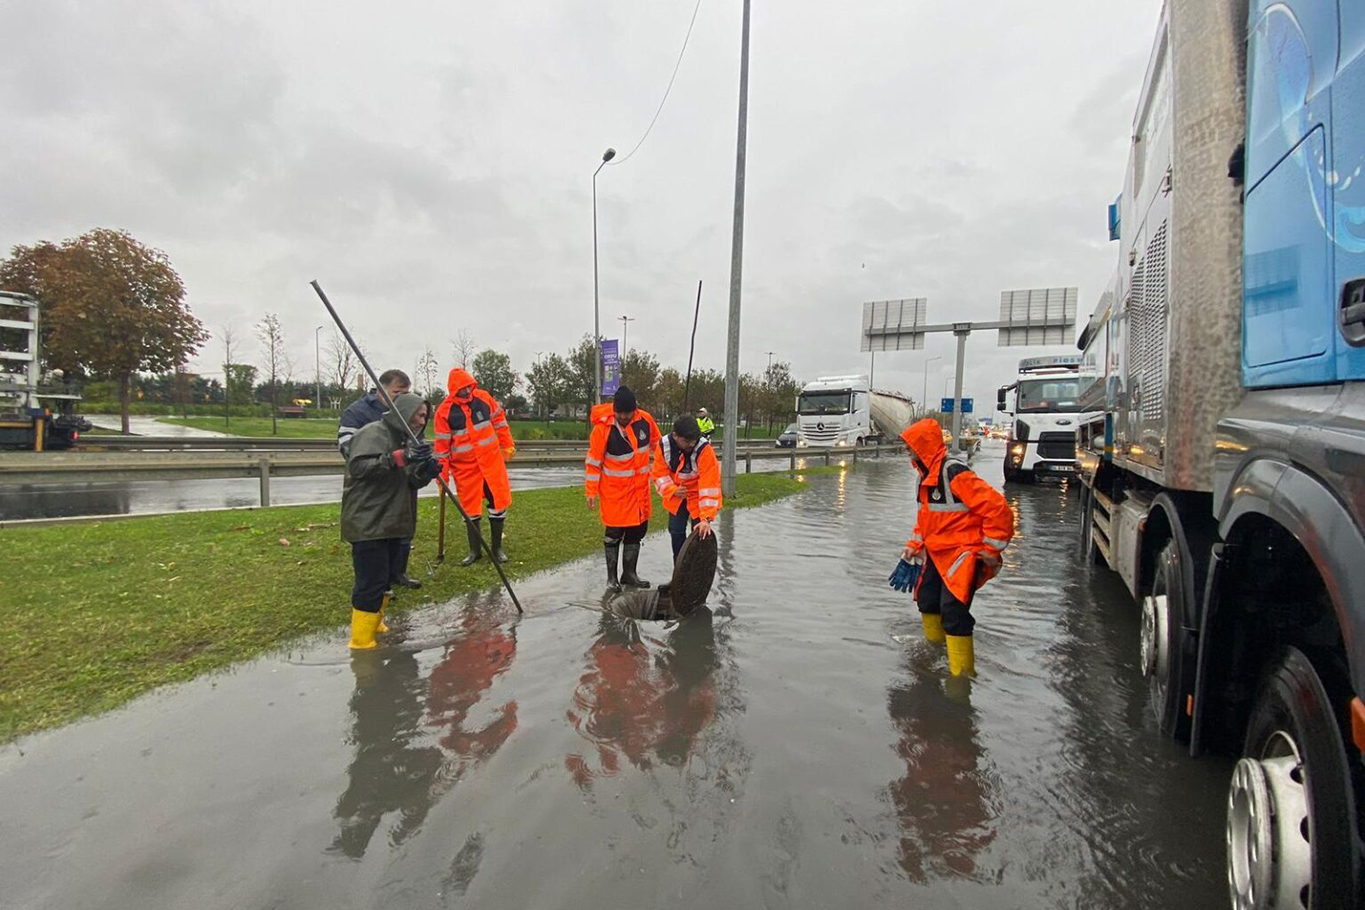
[1270,856]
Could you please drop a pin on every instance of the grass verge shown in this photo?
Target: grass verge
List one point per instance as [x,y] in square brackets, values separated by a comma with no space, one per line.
[97,614]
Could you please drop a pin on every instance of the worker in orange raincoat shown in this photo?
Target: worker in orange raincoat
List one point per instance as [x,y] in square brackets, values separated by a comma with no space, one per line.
[961,530]
[616,481]
[687,476]
[474,443]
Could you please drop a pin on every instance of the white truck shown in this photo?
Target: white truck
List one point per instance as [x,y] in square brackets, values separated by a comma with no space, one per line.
[1047,411]
[846,411]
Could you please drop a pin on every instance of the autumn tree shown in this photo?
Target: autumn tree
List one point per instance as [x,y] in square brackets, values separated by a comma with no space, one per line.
[341,362]
[278,366]
[582,361]
[111,306]
[493,372]
[640,371]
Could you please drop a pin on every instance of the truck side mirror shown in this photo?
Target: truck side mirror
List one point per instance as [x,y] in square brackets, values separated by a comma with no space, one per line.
[1000,400]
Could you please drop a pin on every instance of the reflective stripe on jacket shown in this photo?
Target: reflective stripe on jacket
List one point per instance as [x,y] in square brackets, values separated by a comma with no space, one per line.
[694,476]
[617,466]
[960,515]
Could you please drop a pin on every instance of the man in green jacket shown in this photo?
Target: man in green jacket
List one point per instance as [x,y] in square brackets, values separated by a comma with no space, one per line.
[384,471]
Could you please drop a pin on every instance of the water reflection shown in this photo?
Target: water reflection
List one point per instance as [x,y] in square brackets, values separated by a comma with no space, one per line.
[644,699]
[416,738]
[943,802]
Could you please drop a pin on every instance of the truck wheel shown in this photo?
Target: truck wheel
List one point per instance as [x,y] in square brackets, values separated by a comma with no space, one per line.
[1290,834]
[1162,653]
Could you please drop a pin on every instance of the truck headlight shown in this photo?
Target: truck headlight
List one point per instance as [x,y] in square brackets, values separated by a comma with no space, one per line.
[1017,450]
[842,442]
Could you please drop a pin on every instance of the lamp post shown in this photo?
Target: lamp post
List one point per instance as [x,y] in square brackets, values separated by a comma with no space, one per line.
[596,317]
[625,320]
[924,393]
[317,368]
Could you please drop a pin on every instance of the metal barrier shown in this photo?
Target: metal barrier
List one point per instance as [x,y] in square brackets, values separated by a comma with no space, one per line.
[282,443]
[83,467]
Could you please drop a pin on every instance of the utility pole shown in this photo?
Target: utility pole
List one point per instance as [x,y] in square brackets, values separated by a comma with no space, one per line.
[924,393]
[317,367]
[596,307]
[727,471]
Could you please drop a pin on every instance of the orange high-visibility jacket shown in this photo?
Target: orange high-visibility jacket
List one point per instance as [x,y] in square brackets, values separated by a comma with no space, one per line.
[617,468]
[693,477]
[960,515]
[470,439]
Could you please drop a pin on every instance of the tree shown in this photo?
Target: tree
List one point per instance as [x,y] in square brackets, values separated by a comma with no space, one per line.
[341,362]
[229,338]
[463,350]
[427,378]
[668,395]
[493,372]
[779,393]
[241,379]
[640,371]
[111,306]
[277,363]
[548,382]
[582,363]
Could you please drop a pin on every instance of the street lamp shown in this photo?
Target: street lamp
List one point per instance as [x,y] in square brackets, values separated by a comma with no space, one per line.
[624,326]
[924,393]
[317,368]
[596,322]
[770,359]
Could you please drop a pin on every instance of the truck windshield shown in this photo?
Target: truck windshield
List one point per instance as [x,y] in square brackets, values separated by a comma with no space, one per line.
[823,403]
[1056,394]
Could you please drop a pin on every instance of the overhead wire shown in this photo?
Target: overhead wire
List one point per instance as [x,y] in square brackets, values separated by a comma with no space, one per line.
[669,88]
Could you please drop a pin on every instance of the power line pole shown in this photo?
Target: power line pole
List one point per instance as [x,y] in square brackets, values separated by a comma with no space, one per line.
[727,470]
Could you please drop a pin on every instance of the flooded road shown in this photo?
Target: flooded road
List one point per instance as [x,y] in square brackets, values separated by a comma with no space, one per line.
[783,750]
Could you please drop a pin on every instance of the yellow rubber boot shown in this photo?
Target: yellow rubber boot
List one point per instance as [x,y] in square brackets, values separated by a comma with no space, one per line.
[363,626]
[383,627]
[933,627]
[961,658]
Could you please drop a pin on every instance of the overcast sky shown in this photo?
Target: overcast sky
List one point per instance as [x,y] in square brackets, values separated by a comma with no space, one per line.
[430,164]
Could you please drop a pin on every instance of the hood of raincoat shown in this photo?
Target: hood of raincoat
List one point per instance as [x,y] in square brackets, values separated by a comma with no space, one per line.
[604,413]
[404,406]
[925,438]
[458,379]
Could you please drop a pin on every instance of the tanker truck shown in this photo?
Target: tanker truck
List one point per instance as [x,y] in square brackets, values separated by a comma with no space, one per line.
[1223,470]
[847,411]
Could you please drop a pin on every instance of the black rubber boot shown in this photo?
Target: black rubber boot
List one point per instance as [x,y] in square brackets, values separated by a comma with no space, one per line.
[630,556]
[472,528]
[495,526]
[613,551]
[400,575]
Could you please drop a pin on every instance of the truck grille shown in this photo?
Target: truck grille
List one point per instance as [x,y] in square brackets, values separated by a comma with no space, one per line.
[1057,446]
[823,437]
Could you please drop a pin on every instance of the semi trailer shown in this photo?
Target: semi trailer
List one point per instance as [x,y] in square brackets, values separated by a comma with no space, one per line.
[847,411]
[1224,470]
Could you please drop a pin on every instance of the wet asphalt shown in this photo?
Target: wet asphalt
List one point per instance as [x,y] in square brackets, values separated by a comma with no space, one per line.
[797,745]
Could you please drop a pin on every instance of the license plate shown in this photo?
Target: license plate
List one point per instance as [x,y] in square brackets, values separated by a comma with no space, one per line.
[1062,468]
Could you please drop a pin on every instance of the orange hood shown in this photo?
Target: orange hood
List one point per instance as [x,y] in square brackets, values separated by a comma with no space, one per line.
[603,413]
[458,379]
[925,438]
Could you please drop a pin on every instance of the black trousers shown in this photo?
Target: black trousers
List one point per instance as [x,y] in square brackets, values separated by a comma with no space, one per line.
[633,534]
[679,526]
[935,597]
[375,562]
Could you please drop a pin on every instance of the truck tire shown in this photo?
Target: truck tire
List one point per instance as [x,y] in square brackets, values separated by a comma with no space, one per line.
[1291,810]
[1163,657]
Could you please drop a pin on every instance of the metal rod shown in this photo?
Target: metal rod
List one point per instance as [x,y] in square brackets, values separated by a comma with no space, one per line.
[727,467]
[483,544]
[957,389]
[441,534]
[696,314]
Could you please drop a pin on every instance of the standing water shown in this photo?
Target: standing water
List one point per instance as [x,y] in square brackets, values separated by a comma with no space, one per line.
[797,745]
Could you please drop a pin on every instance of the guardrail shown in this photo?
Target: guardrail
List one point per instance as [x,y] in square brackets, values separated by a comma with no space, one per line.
[68,467]
[283,443]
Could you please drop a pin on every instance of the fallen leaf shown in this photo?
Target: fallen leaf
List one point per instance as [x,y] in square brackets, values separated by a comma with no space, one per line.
[284,541]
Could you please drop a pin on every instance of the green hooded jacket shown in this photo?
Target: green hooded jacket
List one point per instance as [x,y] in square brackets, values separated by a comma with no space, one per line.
[378,498]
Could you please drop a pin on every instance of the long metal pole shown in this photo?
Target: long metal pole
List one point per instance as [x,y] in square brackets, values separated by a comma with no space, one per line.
[317,367]
[924,392]
[483,544]
[727,472]
[596,305]
[957,388]
[687,384]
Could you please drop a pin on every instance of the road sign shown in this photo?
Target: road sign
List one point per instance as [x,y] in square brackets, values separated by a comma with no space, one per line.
[947,406]
[894,325]
[1037,316]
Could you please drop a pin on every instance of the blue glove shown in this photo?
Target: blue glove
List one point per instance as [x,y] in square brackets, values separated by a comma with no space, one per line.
[905,576]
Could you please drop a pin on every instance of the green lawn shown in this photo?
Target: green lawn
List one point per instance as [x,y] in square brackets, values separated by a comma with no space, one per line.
[293,427]
[97,614]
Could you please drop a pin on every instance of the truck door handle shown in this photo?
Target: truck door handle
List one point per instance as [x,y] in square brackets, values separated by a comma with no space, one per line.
[1353,311]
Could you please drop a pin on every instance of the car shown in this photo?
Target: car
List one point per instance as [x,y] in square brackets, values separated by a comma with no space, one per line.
[787,438]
